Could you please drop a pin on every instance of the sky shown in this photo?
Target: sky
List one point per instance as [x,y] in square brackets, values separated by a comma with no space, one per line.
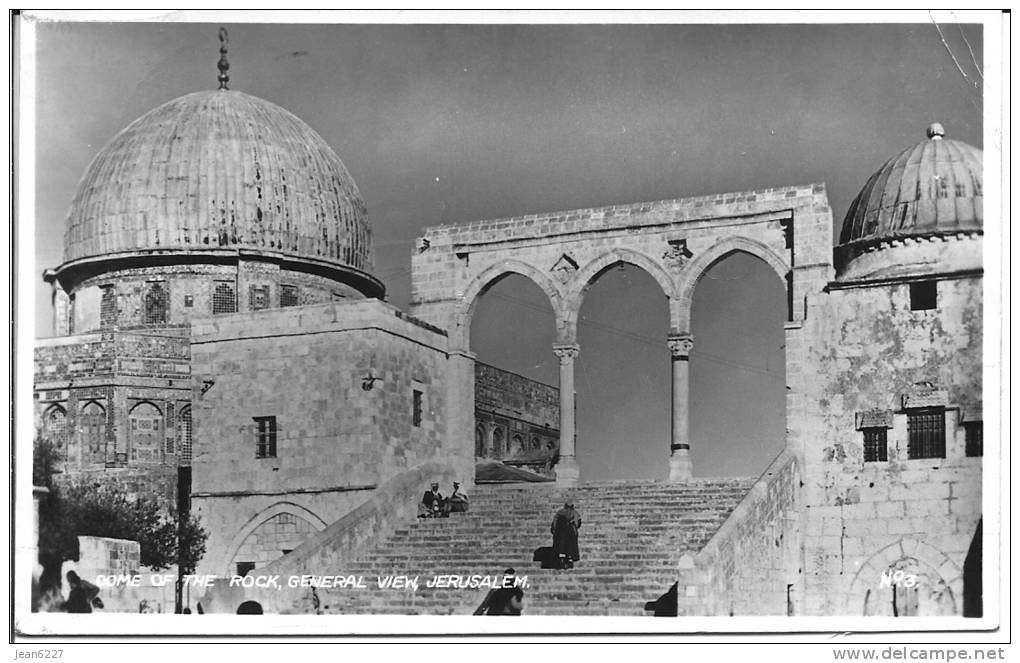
[455,123]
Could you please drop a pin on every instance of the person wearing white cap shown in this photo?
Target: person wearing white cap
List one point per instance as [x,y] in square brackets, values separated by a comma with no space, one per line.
[458,499]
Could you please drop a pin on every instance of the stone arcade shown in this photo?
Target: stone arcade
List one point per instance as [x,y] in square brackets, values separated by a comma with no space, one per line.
[216,309]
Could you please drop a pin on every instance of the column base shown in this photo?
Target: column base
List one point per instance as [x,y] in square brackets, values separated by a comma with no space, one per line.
[680,466]
[568,473]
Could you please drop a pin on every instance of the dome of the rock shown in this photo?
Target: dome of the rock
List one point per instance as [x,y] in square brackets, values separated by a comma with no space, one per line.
[219,170]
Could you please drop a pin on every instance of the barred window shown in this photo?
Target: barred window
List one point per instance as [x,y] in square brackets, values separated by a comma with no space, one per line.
[55,422]
[288,295]
[224,300]
[416,408]
[265,437]
[926,433]
[108,307]
[876,447]
[184,433]
[974,432]
[258,297]
[155,304]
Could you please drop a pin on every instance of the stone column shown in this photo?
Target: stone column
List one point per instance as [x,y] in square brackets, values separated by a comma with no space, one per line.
[567,471]
[680,467]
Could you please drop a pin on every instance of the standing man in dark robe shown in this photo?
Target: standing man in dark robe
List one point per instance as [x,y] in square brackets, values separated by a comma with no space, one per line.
[565,526]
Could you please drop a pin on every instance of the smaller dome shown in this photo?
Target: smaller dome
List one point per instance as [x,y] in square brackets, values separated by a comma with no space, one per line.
[932,188]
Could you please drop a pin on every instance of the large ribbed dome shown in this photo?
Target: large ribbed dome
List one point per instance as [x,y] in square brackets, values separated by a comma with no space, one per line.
[932,188]
[219,170]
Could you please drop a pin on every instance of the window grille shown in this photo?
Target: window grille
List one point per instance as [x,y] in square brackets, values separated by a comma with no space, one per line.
[224,299]
[184,431]
[926,433]
[416,408]
[56,426]
[155,304]
[875,445]
[265,437]
[288,295]
[974,433]
[108,307]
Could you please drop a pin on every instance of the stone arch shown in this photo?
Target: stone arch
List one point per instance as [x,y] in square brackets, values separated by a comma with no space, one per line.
[480,441]
[906,554]
[498,446]
[92,426]
[587,275]
[261,518]
[489,277]
[184,434]
[145,433]
[701,263]
[54,421]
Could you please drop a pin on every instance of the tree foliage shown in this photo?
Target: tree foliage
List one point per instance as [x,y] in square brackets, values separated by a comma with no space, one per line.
[89,508]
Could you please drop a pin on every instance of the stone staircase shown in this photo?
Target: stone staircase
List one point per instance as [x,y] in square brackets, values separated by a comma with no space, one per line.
[632,538]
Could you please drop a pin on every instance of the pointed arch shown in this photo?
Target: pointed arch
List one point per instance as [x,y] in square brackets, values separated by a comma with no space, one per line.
[261,517]
[587,275]
[92,427]
[55,430]
[489,277]
[146,434]
[933,560]
[703,261]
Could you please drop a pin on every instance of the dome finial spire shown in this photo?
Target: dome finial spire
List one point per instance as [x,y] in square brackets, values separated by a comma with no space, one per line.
[935,131]
[223,65]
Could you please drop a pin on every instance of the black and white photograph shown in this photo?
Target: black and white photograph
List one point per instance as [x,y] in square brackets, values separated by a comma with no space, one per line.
[633,323]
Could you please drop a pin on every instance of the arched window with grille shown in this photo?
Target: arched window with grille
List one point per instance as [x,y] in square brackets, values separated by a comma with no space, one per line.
[155,304]
[55,430]
[184,436]
[146,432]
[224,298]
[92,432]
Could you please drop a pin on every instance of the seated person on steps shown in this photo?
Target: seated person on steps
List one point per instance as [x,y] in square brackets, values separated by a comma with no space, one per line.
[433,504]
[458,502]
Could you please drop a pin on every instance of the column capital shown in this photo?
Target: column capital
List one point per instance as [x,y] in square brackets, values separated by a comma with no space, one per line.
[680,345]
[566,351]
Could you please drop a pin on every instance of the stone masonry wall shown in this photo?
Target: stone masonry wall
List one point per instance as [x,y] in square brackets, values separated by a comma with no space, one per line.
[751,565]
[864,350]
[339,433]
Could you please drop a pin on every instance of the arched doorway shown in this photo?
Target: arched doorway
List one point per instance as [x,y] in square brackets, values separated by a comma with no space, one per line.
[737,368]
[622,376]
[512,332]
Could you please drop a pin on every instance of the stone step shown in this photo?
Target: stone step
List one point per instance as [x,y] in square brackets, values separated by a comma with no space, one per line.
[633,536]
